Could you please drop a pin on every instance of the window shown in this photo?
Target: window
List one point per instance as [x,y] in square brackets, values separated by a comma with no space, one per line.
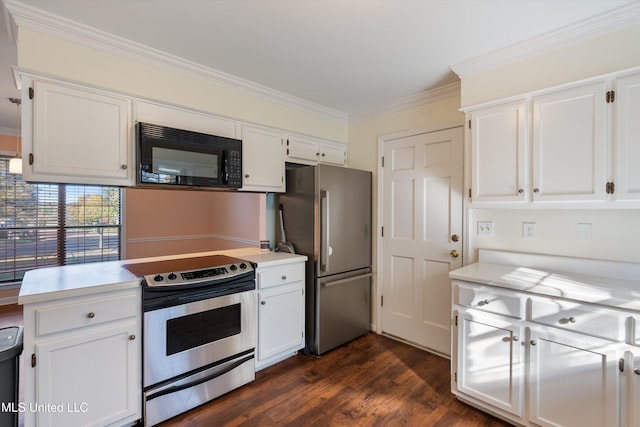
[44,225]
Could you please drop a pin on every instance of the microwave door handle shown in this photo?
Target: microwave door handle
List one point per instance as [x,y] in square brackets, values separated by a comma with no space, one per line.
[225,167]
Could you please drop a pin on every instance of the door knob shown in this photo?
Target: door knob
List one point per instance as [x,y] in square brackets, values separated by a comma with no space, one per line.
[454,253]
[455,238]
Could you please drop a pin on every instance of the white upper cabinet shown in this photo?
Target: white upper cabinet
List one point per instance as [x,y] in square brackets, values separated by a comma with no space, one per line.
[498,153]
[578,146]
[182,118]
[262,159]
[311,151]
[74,134]
[627,153]
[570,145]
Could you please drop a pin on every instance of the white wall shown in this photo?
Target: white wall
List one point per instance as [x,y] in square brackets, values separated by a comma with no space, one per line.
[141,77]
[594,57]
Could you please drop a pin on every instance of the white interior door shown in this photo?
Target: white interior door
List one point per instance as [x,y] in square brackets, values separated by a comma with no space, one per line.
[422,236]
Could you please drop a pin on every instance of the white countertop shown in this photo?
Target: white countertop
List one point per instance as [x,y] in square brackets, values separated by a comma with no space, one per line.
[605,290]
[46,284]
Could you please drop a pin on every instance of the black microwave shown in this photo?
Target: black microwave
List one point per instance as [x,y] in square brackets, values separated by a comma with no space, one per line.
[169,156]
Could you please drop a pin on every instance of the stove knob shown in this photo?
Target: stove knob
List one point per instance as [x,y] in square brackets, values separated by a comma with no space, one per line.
[158,278]
[172,276]
[233,267]
[243,266]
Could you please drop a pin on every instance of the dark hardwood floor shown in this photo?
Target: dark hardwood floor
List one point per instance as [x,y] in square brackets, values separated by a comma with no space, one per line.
[372,381]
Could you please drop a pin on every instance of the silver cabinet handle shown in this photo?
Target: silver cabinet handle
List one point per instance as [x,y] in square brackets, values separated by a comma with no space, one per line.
[91,315]
[483,302]
[566,320]
[132,337]
[347,280]
[123,167]
[263,302]
[325,210]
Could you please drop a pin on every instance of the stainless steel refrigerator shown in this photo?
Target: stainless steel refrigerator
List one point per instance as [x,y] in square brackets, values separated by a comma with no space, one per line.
[327,216]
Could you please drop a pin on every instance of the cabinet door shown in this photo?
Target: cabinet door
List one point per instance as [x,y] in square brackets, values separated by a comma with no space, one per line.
[91,378]
[490,361]
[569,145]
[333,154]
[262,159]
[627,157]
[574,380]
[78,136]
[280,321]
[302,150]
[498,153]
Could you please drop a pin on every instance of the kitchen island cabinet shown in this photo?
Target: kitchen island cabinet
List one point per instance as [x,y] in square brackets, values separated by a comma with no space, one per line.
[541,340]
[75,134]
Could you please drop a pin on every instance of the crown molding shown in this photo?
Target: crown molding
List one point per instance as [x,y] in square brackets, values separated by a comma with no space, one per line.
[615,20]
[416,100]
[10,24]
[57,26]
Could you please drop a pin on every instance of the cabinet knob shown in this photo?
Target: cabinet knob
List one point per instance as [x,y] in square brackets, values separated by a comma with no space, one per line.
[536,190]
[520,191]
[483,302]
[263,302]
[132,337]
[246,175]
[91,315]
[515,338]
[123,166]
[533,342]
[284,277]
[566,320]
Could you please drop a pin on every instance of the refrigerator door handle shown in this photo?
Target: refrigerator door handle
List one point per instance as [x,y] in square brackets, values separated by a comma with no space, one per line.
[325,250]
[343,281]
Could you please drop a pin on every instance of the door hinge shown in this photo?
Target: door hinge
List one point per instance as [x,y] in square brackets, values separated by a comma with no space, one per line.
[30,93]
[382,231]
[469,192]
[33,360]
[381,300]
[455,377]
[611,96]
[469,124]
[621,364]
[610,187]
[456,320]
[382,160]
[30,158]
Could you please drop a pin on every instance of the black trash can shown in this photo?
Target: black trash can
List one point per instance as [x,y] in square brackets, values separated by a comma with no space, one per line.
[10,350]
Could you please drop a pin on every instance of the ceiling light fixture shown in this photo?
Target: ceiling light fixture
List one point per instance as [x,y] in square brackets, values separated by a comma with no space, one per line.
[15,164]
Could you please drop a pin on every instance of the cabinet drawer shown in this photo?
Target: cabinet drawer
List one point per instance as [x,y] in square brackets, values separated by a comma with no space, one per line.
[598,322]
[85,312]
[280,276]
[489,300]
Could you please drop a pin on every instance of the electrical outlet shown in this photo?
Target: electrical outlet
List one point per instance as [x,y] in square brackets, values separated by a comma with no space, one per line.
[485,228]
[529,230]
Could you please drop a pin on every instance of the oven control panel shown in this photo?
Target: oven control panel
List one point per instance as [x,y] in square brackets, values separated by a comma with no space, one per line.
[191,271]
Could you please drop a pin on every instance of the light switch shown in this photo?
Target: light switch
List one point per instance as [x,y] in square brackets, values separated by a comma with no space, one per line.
[529,230]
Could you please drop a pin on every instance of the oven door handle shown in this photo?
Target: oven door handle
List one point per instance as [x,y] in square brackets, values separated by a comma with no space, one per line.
[194,383]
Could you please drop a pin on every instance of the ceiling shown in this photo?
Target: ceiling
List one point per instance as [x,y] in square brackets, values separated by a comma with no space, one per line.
[350,56]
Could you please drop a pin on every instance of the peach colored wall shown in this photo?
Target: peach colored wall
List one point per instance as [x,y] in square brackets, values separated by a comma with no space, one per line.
[166,222]
[9,143]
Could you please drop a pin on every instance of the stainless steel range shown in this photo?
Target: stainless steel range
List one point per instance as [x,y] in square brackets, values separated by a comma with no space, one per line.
[199,331]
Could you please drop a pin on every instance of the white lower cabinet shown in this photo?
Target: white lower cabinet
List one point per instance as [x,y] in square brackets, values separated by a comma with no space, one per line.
[491,361]
[556,363]
[574,380]
[280,312]
[82,361]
